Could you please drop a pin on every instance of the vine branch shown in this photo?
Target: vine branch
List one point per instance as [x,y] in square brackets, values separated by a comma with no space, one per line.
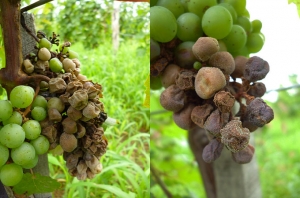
[160,182]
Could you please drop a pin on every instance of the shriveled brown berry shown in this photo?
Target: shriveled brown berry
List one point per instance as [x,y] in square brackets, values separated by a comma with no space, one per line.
[234,136]
[44,54]
[56,103]
[215,122]
[172,99]
[50,132]
[240,64]
[208,81]
[185,80]
[81,77]
[57,85]
[74,114]
[41,65]
[91,110]
[79,99]
[212,151]
[224,61]
[258,113]
[256,69]
[257,89]
[200,114]
[68,142]
[224,101]
[69,125]
[183,117]
[169,75]
[68,65]
[184,56]
[244,156]
[54,115]
[28,66]
[204,47]
[80,130]
[74,86]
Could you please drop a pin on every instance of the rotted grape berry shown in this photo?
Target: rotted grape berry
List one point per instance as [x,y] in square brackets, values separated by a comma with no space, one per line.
[256,69]
[172,98]
[205,47]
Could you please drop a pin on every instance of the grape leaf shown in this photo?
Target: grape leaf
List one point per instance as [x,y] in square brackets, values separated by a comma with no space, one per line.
[147,91]
[37,183]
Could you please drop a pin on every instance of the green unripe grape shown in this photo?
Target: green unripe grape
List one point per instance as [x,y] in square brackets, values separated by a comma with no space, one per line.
[45,43]
[4,154]
[217,22]
[16,118]
[21,96]
[73,54]
[153,2]
[11,174]
[23,154]
[32,129]
[197,65]
[38,113]
[199,7]
[32,163]
[63,50]
[41,145]
[189,27]
[242,52]
[6,109]
[255,42]
[39,101]
[231,9]
[162,29]
[238,5]
[12,135]
[256,26]
[245,23]
[236,39]
[174,6]
[154,49]
[55,65]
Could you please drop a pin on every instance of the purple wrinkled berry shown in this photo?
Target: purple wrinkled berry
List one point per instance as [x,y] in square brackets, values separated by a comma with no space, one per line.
[256,69]
[244,156]
[212,151]
[172,98]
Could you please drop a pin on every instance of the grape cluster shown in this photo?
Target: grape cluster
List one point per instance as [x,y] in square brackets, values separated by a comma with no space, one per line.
[200,55]
[21,137]
[65,110]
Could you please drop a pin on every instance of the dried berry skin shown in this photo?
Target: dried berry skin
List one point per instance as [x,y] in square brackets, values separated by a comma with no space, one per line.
[244,156]
[258,113]
[185,80]
[204,47]
[212,151]
[200,114]
[257,89]
[79,99]
[256,69]
[234,136]
[224,101]
[208,81]
[68,142]
[183,118]
[224,61]
[240,64]
[69,125]
[57,85]
[215,122]
[54,115]
[172,99]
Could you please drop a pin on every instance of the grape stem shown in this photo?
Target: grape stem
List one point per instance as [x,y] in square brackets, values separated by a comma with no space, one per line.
[37,90]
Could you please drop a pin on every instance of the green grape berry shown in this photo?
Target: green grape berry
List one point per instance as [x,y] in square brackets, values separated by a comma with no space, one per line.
[236,39]
[39,101]
[255,42]
[256,26]
[16,118]
[162,29]
[189,27]
[23,154]
[217,22]
[73,54]
[21,96]
[38,113]
[41,145]
[199,7]
[45,43]
[175,6]
[32,129]
[4,154]
[12,135]
[11,174]
[6,109]
[32,163]
[55,65]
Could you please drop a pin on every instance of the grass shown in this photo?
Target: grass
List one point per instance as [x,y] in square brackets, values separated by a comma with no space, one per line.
[126,165]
